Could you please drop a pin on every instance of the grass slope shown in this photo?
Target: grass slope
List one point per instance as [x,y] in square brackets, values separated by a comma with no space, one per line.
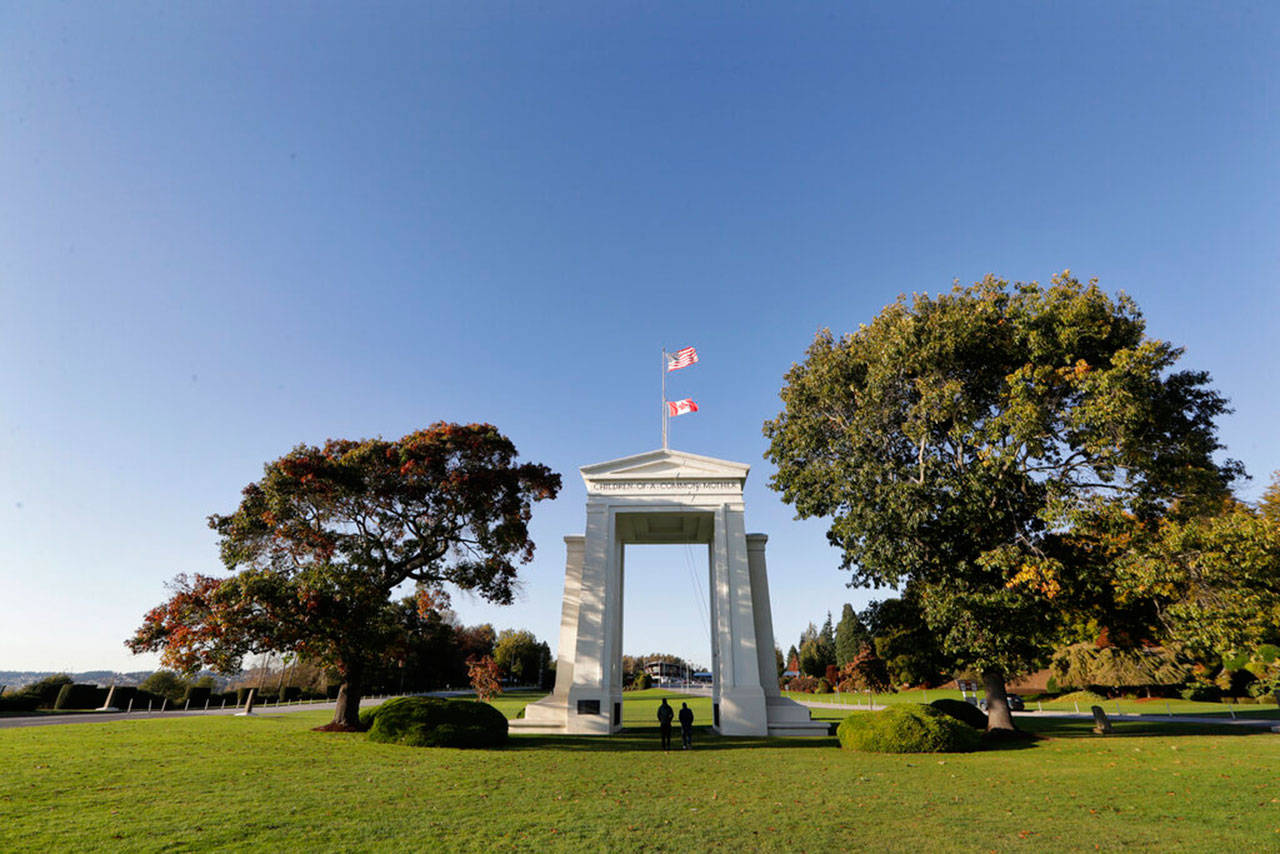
[269,781]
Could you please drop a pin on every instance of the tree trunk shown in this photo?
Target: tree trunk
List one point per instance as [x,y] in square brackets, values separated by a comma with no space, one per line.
[998,714]
[346,715]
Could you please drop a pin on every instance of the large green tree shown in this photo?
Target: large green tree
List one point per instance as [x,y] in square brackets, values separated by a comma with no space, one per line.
[957,441]
[318,545]
[901,637]
[1085,665]
[1214,580]
[1269,505]
[522,656]
[165,683]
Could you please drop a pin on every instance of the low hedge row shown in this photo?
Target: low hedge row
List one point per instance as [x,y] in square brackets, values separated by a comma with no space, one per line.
[18,702]
[80,696]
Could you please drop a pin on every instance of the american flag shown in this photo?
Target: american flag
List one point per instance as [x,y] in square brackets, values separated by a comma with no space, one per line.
[681,358]
[680,407]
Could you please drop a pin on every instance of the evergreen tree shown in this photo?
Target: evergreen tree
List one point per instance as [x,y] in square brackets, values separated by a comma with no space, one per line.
[828,634]
[851,636]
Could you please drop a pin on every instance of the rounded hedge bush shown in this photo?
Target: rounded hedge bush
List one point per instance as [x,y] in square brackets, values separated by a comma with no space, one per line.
[1202,693]
[433,722]
[1084,698]
[966,713]
[906,728]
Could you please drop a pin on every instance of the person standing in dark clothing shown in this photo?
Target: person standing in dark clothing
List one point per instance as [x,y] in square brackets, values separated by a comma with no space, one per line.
[665,714]
[686,726]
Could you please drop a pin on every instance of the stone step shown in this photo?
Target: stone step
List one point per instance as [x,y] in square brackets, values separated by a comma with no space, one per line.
[521,727]
[807,729]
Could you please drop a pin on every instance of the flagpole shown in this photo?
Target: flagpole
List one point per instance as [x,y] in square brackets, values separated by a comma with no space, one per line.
[664,398]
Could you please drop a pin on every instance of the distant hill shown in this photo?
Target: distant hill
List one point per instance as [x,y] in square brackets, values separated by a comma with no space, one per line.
[12,680]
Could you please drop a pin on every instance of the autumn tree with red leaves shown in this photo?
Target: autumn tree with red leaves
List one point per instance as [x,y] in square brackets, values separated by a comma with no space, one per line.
[486,677]
[318,545]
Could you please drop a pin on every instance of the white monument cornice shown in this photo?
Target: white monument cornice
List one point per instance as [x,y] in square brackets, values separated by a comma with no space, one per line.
[664,469]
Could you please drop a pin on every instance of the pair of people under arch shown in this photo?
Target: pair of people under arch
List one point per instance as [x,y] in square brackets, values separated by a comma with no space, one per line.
[665,715]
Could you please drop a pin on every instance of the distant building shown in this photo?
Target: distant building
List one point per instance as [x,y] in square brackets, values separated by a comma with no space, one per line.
[666,672]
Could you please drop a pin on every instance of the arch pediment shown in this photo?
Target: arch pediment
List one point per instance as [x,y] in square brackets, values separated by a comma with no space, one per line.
[664,466]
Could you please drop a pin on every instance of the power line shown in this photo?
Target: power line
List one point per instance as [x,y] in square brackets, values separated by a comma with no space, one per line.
[703,602]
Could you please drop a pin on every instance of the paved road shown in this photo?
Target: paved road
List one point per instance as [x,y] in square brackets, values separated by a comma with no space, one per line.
[107,717]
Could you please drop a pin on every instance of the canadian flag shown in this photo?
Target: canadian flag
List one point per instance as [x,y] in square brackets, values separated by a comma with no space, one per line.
[680,407]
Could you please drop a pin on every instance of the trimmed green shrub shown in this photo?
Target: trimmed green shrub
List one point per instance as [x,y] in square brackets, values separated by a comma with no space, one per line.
[965,712]
[196,695]
[1083,697]
[144,700]
[80,696]
[123,694]
[1202,693]
[642,681]
[46,690]
[823,686]
[906,728]
[433,722]
[19,702]
[1261,688]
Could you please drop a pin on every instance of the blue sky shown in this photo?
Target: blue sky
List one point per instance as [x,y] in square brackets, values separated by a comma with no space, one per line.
[226,229]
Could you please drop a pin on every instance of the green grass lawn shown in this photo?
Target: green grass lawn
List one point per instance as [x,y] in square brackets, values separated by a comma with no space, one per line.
[270,783]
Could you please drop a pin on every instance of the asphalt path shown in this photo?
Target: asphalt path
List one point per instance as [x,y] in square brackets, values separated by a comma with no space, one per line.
[264,711]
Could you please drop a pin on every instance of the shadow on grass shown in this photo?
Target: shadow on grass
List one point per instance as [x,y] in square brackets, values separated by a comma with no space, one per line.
[1039,734]
[637,739]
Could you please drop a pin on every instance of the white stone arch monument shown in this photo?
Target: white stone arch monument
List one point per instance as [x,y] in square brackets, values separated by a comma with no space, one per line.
[664,497]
